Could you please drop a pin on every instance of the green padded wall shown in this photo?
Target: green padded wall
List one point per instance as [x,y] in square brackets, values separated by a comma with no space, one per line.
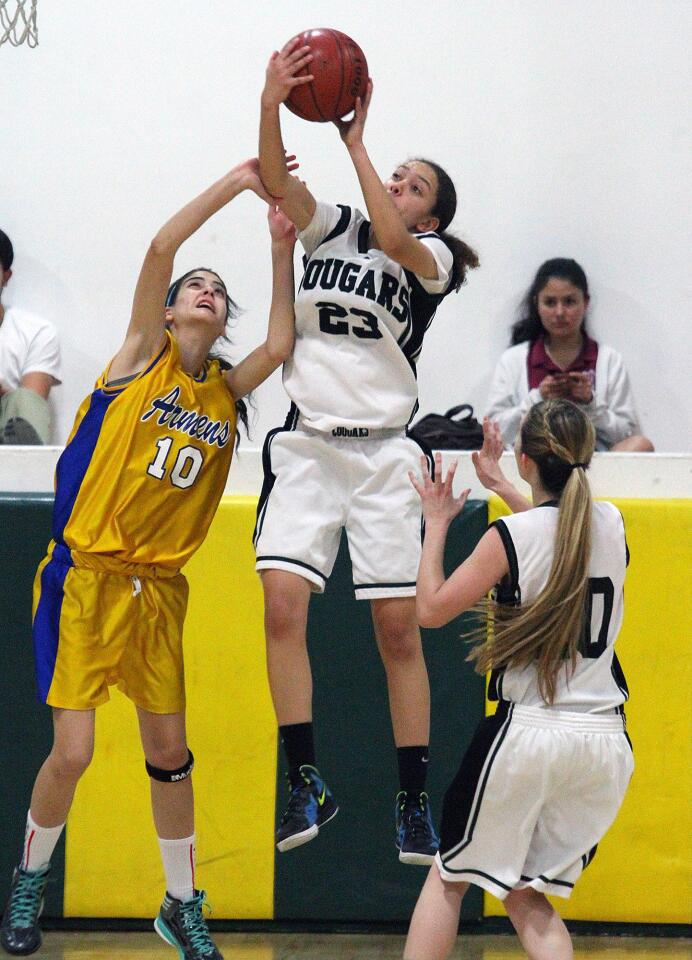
[25,727]
[351,872]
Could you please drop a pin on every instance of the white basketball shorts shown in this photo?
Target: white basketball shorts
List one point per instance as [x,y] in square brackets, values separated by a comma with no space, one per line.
[536,791]
[316,483]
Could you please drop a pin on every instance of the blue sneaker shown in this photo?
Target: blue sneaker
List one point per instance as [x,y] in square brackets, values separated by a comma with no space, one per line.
[310,806]
[181,924]
[416,839]
[20,933]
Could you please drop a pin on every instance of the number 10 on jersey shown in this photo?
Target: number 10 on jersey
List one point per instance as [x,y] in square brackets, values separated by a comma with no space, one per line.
[186,465]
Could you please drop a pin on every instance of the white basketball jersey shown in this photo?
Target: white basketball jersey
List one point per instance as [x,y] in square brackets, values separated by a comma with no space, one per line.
[597,683]
[360,322]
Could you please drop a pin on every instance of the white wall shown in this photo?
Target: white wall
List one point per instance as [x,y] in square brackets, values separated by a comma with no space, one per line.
[561,122]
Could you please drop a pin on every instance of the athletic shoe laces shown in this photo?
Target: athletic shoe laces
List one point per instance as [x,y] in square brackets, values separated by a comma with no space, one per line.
[195,925]
[26,899]
[413,814]
[296,802]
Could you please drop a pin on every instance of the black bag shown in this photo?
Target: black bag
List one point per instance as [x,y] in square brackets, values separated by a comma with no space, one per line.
[449,432]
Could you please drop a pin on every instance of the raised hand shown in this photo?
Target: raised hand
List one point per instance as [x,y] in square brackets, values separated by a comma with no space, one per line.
[281,229]
[281,72]
[351,131]
[248,172]
[437,498]
[488,469]
[487,459]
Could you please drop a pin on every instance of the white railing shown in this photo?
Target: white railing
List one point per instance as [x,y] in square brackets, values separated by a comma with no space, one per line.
[646,475]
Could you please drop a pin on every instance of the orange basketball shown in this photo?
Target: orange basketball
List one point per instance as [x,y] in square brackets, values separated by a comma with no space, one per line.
[341,74]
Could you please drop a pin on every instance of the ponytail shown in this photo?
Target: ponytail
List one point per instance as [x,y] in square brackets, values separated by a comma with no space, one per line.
[559,438]
[465,258]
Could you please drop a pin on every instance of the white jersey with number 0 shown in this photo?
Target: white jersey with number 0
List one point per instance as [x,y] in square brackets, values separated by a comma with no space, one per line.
[360,322]
[597,683]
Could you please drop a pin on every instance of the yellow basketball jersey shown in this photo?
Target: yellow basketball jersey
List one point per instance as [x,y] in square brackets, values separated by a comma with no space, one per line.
[146,464]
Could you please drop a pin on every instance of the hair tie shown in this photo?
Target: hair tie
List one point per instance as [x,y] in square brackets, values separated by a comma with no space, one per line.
[172,294]
[573,466]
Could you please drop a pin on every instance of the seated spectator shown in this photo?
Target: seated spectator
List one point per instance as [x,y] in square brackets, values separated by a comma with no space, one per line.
[29,366]
[553,356]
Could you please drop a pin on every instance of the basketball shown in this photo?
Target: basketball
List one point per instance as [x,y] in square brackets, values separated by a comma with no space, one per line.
[341,74]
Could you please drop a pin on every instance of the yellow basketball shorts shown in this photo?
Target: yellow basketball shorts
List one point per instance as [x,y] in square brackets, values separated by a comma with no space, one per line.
[98,621]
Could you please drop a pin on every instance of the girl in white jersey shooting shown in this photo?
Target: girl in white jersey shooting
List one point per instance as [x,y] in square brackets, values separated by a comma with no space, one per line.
[368,294]
[543,779]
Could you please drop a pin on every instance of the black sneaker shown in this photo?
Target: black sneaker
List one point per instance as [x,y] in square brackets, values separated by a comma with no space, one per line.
[310,806]
[416,839]
[19,432]
[20,932]
[181,924]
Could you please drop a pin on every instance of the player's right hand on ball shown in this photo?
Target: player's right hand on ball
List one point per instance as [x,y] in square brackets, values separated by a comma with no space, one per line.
[280,77]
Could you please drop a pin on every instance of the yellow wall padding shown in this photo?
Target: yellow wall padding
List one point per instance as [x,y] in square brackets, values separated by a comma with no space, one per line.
[642,872]
[112,858]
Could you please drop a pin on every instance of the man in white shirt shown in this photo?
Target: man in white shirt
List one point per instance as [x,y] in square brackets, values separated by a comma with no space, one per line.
[29,366]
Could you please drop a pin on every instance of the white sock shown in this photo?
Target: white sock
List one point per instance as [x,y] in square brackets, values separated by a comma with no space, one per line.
[179,866]
[39,844]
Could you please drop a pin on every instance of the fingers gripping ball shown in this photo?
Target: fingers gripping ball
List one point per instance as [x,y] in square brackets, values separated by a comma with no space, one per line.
[341,75]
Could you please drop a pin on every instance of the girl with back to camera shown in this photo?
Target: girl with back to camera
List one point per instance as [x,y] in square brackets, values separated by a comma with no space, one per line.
[137,487]
[368,294]
[553,356]
[544,778]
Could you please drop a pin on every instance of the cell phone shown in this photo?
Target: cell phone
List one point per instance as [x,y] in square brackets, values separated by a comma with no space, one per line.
[577,374]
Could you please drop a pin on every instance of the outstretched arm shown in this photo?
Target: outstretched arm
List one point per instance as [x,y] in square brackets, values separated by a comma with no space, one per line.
[389,228]
[296,200]
[145,334]
[490,473]
[440,599]
[278,346]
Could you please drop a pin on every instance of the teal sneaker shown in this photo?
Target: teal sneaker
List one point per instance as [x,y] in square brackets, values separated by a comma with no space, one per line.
[310,806]
[182,924]
[19,932]
[416,839]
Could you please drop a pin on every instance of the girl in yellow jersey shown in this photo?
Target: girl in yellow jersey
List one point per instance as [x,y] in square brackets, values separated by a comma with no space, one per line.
[136,489]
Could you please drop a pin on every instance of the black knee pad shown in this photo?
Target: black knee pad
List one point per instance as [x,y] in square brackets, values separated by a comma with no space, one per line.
[171,776]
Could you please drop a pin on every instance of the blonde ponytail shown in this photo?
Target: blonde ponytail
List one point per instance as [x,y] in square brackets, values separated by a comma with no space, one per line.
[559,438]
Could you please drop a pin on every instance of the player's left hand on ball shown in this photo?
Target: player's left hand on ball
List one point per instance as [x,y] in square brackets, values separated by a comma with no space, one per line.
[351,131]
[437,496]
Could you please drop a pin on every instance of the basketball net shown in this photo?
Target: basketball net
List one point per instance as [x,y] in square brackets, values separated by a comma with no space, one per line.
[18,22]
